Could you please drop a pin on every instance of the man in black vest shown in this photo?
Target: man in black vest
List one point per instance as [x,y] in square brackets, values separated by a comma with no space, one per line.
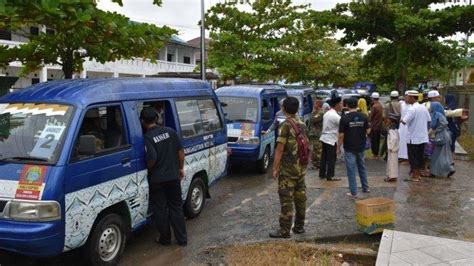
[165,162]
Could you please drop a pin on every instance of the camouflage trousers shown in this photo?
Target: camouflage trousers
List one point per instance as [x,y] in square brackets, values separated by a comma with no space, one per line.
[291,191]
[317,150]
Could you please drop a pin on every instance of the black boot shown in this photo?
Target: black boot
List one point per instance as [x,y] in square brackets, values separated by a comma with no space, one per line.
[298,230]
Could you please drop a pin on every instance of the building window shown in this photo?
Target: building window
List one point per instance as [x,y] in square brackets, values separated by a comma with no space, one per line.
[34,31]
[187,60]
[50,32]
[169,57]
[5,35]
[35,81]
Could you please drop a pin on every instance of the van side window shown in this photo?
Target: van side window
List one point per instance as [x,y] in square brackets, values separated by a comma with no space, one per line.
[209,115]
[164,110]
[189,118]
[102,130]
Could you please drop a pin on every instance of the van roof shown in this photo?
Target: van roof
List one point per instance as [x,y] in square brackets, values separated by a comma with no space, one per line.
[298,90]
[250,90]
[84,92]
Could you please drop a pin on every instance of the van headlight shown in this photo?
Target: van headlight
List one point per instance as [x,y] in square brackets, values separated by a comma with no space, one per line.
[249,140]
[39,211]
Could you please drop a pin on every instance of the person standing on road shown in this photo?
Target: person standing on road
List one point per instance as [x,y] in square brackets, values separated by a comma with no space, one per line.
[441,164]
[362,103]
[453,123]
[165,162]
[353,130]
[317,126]
[416,119]
[329,138]
[289,170]
[376,124]
[393,142]
[402,131]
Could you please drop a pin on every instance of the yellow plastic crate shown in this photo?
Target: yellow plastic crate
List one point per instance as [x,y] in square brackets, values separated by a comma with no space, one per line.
[375,214]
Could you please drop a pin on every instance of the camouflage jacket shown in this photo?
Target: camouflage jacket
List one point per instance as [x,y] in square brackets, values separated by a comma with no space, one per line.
[317,123]
[290,165]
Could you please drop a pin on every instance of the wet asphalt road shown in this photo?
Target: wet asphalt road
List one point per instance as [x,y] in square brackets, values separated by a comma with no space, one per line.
[244,208]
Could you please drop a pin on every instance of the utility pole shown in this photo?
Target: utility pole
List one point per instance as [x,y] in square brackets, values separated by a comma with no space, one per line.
[203,43]
[466,52]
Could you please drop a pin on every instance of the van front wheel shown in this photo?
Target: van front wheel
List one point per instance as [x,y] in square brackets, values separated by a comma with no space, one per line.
[264,163]
[107,241]
[196,198]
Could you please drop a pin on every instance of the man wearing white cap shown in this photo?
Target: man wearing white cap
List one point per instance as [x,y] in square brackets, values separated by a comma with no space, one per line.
[416,119]
[434,96]
[375,123]
[394,105]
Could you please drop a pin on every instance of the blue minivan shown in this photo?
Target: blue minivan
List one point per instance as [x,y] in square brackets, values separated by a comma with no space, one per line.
[249,111]
[307,97]
[72,161]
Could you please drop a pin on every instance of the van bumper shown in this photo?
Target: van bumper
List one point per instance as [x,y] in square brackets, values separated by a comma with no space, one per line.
[244,153]
[32,238]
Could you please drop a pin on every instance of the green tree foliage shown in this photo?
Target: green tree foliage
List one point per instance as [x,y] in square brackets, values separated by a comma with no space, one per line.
[406,35]
[77,31]
[275,40]
[251,44]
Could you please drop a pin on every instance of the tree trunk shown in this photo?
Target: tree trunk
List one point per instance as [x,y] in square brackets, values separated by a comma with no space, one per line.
[402,81]
[68,72]
[67,64]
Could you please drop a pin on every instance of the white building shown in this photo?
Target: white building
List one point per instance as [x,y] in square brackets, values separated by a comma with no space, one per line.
[175,56]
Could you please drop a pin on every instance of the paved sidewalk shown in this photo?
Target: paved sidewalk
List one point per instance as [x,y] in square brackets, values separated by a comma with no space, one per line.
[400,248]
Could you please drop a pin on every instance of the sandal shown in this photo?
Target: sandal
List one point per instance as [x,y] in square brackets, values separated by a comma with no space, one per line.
[388,179]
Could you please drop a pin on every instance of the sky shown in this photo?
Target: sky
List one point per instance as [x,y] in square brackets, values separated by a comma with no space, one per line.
[183,15]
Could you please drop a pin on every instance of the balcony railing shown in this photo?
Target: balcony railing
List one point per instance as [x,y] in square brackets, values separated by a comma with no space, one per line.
[136,66]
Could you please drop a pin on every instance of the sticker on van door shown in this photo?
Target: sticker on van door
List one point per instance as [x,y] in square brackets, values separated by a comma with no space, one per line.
[241,130]
[31,184]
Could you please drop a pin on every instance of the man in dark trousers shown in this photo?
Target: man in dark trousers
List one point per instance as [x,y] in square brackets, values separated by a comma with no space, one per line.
[165,162]
[376,124]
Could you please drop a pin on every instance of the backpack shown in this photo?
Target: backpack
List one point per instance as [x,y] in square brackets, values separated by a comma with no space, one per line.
[304,152]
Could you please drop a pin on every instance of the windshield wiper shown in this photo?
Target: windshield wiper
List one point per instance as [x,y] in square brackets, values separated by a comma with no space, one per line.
[25,158]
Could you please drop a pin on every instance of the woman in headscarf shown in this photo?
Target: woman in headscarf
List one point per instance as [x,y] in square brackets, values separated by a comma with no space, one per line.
[441,164]
[363,106]
[453,126]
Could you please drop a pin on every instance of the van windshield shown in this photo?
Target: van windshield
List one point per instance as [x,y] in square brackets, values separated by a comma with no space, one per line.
[32,131]
[240,109]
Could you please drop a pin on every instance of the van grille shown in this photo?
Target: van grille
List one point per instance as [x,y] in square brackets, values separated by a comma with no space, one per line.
[3,203]
[232,139]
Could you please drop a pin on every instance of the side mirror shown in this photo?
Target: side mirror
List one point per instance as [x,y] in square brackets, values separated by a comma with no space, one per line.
[87,145]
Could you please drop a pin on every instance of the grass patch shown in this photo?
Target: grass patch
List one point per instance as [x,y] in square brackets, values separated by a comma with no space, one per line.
[279,253]
[467,142]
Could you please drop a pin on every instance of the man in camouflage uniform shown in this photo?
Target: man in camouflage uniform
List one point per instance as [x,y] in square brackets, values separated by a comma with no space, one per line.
[317,126]
[290,173]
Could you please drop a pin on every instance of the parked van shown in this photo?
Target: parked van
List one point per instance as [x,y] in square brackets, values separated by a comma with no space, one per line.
[306,96]
[250,110]
[72,161]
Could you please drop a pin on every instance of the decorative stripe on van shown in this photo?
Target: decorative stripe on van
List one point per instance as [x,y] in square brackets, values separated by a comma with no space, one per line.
[83,206]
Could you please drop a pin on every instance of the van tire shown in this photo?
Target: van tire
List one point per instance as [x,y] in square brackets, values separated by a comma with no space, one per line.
[196,198]
[108,233]
[264,163]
